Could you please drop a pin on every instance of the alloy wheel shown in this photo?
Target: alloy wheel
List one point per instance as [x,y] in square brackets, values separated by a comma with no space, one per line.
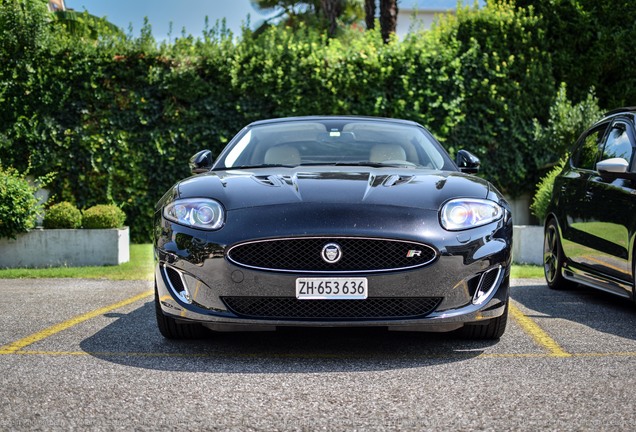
[550,253]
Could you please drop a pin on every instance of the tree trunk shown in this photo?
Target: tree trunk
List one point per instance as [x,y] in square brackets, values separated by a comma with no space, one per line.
[369,14]
[332,10]
[388,18]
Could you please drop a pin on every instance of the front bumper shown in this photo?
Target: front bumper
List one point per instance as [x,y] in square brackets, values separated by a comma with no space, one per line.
[194,277]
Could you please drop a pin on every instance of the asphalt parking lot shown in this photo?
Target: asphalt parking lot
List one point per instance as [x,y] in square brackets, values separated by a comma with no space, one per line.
[82,354]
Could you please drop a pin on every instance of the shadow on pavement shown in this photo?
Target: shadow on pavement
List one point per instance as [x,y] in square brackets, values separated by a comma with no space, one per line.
[592,308]
[134,340]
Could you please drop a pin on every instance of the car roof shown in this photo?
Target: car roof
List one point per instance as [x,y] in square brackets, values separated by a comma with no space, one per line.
[629,111]
[335,117]
[621,110]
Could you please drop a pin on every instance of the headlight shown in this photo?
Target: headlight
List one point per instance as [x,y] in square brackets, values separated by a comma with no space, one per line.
[196,212]
[464,213]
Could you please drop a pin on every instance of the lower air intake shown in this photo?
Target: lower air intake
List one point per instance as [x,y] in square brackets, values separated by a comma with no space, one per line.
[294,309]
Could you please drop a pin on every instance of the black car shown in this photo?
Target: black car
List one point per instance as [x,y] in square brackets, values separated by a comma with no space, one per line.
[333,222]
[591,223]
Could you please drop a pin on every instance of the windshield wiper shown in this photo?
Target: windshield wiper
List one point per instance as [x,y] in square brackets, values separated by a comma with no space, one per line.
[318,163]
[258,166]
[376,164]
[360,163]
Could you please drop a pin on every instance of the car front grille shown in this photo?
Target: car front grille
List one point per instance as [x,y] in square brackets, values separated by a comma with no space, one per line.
[287,308]
[304,254]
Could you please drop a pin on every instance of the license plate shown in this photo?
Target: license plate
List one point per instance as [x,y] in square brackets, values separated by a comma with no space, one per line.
[331,288]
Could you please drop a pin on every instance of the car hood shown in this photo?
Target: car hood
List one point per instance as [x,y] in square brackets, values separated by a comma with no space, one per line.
[414,188]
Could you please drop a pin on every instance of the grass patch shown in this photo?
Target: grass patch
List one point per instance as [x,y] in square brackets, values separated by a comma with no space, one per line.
[526,272]
[141,267]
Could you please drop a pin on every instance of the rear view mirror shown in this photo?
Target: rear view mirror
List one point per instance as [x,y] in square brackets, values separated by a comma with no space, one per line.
[201,162]
[467,162]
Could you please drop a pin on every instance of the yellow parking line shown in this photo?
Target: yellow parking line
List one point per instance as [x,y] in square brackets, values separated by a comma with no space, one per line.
[14,347]
[527,324]
[537,333]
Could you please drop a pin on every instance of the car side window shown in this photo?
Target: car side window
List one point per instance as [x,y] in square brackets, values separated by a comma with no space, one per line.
[618,144]
[586,153]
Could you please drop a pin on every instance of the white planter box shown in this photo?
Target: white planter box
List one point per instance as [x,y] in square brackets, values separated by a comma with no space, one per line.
[527,244]
[66,247]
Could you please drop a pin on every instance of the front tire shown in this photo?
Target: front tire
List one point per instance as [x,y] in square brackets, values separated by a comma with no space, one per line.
[493,330]
[553,258]
[171,329]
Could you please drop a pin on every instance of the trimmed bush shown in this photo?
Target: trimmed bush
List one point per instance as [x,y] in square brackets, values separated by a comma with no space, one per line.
[19,207]
[63,216]
[103,217]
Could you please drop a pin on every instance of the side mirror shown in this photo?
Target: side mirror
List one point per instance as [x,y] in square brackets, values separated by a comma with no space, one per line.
[201,162]
[614,165]
[467,162]
[615,168]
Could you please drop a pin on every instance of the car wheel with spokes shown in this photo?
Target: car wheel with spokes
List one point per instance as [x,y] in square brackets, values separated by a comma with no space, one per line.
[553,258]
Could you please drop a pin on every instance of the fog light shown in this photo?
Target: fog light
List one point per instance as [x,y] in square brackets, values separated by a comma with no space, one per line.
[177,284]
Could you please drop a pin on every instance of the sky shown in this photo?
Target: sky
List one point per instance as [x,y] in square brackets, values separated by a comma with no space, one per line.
[182,13]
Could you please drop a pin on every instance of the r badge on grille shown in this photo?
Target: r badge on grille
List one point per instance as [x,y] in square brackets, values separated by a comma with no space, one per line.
[331,253]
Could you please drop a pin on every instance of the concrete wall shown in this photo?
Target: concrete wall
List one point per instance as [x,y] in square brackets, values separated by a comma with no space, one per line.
[527,244]
[66,247]
[520,208]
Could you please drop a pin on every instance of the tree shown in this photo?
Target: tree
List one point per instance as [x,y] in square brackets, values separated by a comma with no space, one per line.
[369,14]
[321,13]
[82,24]
[332,9]
[388,18]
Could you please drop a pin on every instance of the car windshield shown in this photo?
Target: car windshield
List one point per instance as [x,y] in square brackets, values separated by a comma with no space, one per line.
[333,142]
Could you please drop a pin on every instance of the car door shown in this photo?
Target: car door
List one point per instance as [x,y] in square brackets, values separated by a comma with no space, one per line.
[570,187]
[611,210]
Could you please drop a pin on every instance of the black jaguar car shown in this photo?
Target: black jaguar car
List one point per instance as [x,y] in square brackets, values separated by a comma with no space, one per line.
[333,222]
[590,230]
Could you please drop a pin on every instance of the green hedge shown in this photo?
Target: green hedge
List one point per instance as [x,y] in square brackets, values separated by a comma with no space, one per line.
[503,79]
[118,118]
[592,45]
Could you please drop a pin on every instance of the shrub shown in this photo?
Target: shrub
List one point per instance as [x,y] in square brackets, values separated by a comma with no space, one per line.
[103,216]
[19,207]
[542,196]
[566,123]
[63,215]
